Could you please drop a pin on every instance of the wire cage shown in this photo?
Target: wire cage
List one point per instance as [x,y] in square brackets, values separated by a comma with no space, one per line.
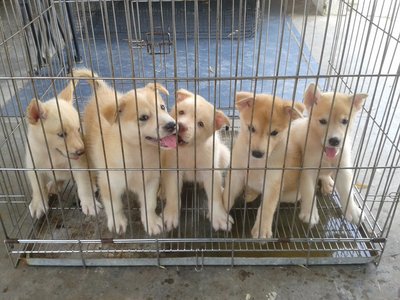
[214,49]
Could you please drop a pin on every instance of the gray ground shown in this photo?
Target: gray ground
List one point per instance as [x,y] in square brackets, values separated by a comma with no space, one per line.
[294,282]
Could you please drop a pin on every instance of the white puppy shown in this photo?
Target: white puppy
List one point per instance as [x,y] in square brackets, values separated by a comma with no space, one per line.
[199,147]
[54,141]
[126,131]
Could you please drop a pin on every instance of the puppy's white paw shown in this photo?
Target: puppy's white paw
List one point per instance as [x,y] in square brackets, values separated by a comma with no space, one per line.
[310,217]
[37,209]
[327,184]
[155,224]
[221,221]
[171,219]
[121,222]
[354,215]
[261,233]
[89,207]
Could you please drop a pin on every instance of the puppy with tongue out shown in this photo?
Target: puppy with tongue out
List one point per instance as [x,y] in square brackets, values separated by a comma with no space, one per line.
[321,144]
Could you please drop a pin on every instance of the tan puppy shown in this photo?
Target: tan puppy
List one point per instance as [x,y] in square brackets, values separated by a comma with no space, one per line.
[325,139]
[327,146]
[127,132]
[55,124]
[263,132]
[199,147]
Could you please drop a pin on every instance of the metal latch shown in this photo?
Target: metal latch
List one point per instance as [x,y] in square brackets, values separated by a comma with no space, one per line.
[161,43]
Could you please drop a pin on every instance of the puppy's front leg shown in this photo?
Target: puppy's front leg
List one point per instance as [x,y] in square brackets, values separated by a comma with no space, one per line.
[217,214]
[85,193]
[350,209]
[116,218]
[308,209]
[151,221]
[265,214]
[172,186]
[234,182]
[39,204]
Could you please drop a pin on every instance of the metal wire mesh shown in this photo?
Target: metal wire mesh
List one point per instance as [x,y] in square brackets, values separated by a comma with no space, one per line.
[212,48]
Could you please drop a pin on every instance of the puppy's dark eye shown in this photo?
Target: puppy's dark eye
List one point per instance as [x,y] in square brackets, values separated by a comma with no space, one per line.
[274,133]
[323,121]
[62,134]
[200,123]
[162,106]
[181,112]
[252,129]
[144,118]
[345,121]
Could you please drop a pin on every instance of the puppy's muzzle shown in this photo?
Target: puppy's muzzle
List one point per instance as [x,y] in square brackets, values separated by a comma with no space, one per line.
[182,127]
[257,154]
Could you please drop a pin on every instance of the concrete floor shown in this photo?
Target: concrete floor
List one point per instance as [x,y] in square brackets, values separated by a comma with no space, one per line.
[294,282]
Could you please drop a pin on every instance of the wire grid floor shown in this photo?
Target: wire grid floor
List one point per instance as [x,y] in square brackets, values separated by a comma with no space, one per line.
[67,237]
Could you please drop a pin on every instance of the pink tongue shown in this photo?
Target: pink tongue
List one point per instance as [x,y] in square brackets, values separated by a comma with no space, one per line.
[168,141]
[330,152]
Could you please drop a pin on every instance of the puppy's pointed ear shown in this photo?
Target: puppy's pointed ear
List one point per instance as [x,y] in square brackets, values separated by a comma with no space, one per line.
[220,119]
[67,94]
[312,95]
[35,111]
[294,112]
[359,100]
[110,111]
[182,94]
[159,87]
[244,100]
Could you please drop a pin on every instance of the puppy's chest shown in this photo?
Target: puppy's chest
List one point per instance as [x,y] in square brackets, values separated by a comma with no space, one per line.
[315,161]
[201,160]
[149,157]
[255,176]
[196,158]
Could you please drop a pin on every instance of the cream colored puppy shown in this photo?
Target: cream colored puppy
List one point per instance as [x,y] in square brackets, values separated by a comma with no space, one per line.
[199,147]
[327,146]
[54,141]
[259,145]
[126,131]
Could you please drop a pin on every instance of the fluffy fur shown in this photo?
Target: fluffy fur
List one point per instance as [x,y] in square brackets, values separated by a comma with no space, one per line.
[198,120]
[263,133]
[327,147]
[55,124]
[126,131]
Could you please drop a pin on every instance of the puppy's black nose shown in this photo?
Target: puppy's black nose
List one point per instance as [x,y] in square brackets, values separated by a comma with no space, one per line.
[334,141]
[170,127]
[80,152]
[257,154]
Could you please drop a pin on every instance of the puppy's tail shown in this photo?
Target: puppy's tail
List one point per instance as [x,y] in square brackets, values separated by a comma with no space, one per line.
[67,93]
[90,76]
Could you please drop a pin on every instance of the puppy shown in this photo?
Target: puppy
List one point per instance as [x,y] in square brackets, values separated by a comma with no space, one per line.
[54,141]
[322,147]
[263,133]
[327,146]
[200,148]
[126,131]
